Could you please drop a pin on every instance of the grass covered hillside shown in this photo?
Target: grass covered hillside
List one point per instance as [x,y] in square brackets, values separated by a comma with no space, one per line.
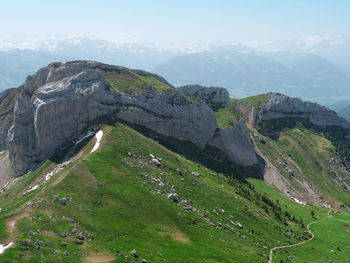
[127,81]
[306,153]
[134,194]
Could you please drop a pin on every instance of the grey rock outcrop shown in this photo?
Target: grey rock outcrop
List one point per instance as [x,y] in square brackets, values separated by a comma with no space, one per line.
[60,101]
[7,104]
[171,115]
[282,106]
[48,116]
[236,144]
[215,97]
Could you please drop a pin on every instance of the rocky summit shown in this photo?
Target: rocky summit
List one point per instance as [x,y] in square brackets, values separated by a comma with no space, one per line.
[60,101]
[104,163]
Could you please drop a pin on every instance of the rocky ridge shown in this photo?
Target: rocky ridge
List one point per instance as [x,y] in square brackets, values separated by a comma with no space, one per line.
[282,106]
[215,97]
[279,106]
[60,101]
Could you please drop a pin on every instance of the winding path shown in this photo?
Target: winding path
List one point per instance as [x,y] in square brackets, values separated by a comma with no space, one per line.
[302,242]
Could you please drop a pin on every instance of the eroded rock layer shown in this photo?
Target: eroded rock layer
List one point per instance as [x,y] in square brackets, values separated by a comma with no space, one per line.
[60,101]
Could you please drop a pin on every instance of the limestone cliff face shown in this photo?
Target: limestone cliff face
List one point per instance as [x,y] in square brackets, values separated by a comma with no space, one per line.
[281,106]
[60,101]
[7,104]
[169,114]
[215,97]
[53,114]
[56,104]
[236,144]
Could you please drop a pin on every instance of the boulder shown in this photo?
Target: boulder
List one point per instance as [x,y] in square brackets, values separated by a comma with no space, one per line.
[173,197]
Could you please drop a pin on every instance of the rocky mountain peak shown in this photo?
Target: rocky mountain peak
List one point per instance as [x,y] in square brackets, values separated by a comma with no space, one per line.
[282,106]
[60,101]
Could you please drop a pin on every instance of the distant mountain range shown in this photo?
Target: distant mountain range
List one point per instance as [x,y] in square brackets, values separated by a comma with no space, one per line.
[312,68]
[342,108]
[16,64]
[308,76]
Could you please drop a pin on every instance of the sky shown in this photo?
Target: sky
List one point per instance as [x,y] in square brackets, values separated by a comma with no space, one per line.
[177,21]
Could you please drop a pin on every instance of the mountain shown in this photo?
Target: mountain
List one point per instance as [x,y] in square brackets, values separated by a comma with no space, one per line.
[104,163]
[300,70]
[20,57]
[16,65]
[345,112]
[342,108]
[244,74]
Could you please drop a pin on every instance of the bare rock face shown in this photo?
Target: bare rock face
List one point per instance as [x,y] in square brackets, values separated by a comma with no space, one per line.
[215,97]
[170,114]
[53,115]
[281,106]
[58,102]
[7,104]
[237,144]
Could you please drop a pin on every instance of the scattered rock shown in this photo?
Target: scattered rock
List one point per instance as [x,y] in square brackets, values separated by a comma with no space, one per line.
[173,197]
[80,237]
[70,220]
[239,225]
[79,242]
[156,161]
[90,237]
[196,174]
[129,154]
[63,201]
[64,234]
[26,243]
[32,234]
[133,253]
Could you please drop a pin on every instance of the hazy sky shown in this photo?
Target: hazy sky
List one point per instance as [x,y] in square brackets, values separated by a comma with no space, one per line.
[178,21]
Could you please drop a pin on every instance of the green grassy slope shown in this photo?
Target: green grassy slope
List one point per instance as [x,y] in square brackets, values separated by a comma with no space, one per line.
[129,82]
[225,116]
[310,151]
[122,202]
[257,101]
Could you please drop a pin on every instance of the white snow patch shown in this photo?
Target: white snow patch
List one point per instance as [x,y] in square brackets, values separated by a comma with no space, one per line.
[48,176]
[32,189]
[5,246]
[90,133]
[57,169]
[297,201]
[98,136]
